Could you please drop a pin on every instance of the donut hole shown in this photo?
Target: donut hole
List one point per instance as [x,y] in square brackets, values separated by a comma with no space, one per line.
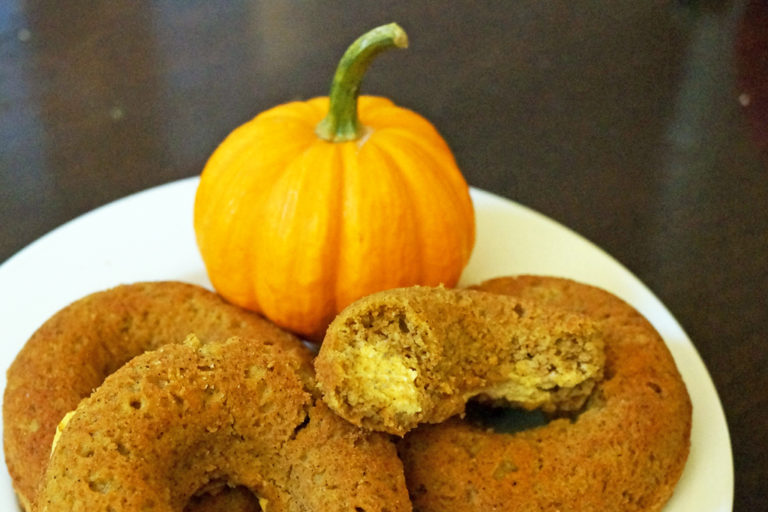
[504,420]
[223,496]
[509,420]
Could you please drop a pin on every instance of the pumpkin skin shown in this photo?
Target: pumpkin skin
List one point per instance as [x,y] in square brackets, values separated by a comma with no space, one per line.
[296,227]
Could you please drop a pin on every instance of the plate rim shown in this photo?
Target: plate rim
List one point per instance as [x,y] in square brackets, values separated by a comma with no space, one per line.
[481,198]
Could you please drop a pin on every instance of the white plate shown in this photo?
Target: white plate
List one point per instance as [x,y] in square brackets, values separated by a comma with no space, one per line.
[149,236]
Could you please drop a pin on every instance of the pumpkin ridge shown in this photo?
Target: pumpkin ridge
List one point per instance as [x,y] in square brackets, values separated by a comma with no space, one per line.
[265,175]
[293,255]
[459,190]
[208,211]
[438,153]
[348,166]
[395,169]
[338,221]
[393,117]
[376,229]
[434,169]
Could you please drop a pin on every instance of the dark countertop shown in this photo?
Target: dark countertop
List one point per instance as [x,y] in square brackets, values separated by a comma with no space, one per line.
[641,125]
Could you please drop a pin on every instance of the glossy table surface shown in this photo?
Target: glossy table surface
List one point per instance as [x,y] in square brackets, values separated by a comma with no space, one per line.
[641,125]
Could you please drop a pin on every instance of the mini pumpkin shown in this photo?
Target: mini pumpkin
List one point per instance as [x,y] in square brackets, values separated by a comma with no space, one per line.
[314,204]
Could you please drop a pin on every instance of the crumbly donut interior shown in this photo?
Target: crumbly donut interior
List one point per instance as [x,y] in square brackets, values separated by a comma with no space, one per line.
[554,371]
[381,359]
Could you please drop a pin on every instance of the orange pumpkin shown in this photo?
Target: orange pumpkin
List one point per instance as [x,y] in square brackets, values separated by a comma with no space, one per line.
[312,205]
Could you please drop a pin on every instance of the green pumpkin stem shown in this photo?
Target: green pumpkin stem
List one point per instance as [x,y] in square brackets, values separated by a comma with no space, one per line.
[342,124]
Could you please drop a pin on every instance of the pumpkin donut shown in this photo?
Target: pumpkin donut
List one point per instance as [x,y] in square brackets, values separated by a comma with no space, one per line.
[402,357]
[624,451]
[72,353]
[238,412]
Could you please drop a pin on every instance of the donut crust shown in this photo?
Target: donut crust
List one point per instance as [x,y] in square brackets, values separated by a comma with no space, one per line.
[625,451]
[74,350]
[238,413]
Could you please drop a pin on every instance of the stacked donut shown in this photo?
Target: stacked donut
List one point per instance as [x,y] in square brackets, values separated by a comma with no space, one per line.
[620,415]
[226,419]
[181,401]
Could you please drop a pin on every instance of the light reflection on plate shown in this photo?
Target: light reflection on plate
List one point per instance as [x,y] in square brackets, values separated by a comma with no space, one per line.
[149,236]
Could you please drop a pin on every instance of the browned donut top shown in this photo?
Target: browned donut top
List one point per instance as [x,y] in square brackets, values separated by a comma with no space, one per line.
[237,413]
[73,351]
[625,451]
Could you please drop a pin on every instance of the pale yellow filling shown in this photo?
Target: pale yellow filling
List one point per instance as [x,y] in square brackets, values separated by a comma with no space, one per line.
[59,428]
[516,390]
[387,379]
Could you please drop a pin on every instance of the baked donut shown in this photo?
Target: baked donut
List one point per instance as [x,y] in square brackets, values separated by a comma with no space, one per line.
[401,357]
[624,451]
[72,353]
[238,412]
